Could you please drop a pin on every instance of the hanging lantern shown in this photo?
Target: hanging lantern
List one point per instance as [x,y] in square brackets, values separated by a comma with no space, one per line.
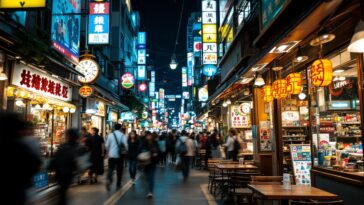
[280,89]
[321,72]
[294,83]
[267,91]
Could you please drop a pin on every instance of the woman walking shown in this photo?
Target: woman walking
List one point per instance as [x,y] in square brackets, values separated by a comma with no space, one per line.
[133,144]
[96,147]
[150,146]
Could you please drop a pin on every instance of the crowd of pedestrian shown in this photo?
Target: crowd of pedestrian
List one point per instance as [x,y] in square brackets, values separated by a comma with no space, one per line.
[85,150]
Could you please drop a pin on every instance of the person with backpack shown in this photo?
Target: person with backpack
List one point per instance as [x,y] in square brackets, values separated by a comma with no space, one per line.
[184,148]
[117,148]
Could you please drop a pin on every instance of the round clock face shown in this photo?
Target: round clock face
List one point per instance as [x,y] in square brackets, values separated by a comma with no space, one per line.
[245,108]
[90,69]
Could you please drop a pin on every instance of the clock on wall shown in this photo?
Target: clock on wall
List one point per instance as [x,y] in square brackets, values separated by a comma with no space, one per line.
[245,108]
[90,69]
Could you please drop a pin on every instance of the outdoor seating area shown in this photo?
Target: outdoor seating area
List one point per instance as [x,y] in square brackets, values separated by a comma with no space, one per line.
[237,183]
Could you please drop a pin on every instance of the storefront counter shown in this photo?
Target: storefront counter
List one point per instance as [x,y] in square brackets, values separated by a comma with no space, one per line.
[348,185]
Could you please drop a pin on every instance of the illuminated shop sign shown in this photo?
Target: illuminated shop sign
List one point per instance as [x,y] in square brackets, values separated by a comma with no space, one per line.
[40,83]
[209,32]
[99,23]
[142,72]
[127,80]
[184,77]
[209,70]
[22,4]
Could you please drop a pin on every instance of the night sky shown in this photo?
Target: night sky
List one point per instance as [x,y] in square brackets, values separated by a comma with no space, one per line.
[159,18]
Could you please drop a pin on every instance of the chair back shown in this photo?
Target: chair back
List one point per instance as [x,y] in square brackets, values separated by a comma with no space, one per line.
[266,180]
[338,202]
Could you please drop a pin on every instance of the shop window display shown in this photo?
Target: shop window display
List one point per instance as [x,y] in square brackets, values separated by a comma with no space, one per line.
[336,121]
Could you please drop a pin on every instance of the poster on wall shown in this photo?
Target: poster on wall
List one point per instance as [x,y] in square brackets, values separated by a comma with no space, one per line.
[240,118]
[265,135]
[301,159]
[66,28]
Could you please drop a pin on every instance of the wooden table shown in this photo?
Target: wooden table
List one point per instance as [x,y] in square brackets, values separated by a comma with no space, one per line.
[235,167]
[297,192]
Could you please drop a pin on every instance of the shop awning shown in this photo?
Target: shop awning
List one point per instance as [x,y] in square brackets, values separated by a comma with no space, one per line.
[111,98]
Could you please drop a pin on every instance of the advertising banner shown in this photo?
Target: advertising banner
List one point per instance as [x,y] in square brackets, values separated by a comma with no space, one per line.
[66,28]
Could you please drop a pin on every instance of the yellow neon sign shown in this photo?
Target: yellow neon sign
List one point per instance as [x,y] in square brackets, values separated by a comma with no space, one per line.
[209,38]
[209,28]
[20,4]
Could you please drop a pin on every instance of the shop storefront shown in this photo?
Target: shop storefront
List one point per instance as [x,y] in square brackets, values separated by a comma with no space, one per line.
[94,115]
[44,101]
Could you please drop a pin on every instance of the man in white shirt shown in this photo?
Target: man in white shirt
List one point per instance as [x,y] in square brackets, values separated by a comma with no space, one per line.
[115,142]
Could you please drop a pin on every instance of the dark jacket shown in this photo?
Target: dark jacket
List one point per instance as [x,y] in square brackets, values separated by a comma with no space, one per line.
[133,149]
[64,162]
[151,147]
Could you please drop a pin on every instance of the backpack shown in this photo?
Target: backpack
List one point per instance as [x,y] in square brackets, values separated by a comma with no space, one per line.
[182,148]
[236,145]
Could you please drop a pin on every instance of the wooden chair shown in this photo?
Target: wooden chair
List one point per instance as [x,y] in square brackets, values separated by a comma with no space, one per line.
[201,159]
[239,187]
[266,180]
[338,202]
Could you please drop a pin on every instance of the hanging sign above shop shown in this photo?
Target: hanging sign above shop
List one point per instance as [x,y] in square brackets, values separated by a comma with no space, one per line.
[209,32]
[203,94]
[85,91]
[142,87]
[90,69]
[127,80]
[145,115]
[209,70]
[22,4]
[98,22]
[41,83]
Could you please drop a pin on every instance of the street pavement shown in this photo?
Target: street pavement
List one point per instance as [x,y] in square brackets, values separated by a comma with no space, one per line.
[169,189]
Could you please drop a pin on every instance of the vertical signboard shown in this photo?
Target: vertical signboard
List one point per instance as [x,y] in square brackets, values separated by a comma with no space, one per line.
[152,84]
[99,22]
[142,72]
[142,56]
[190,67]
[209,32]
[184,77]
[66,28]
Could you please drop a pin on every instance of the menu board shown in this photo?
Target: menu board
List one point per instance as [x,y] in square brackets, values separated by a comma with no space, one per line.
[301,160]
[240,116]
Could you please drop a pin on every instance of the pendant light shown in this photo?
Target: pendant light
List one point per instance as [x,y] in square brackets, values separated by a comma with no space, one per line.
[173,64]
[228,102]
[259,81]
[300,57]
[357,41]
[322,37]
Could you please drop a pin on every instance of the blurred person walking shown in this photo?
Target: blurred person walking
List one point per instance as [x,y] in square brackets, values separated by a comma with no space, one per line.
[96,147]
[162,142]
[65,163]
[171,146]
[150,146]
[231,145]
[185,149]
[21,164]
[133,148]
[116,147]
